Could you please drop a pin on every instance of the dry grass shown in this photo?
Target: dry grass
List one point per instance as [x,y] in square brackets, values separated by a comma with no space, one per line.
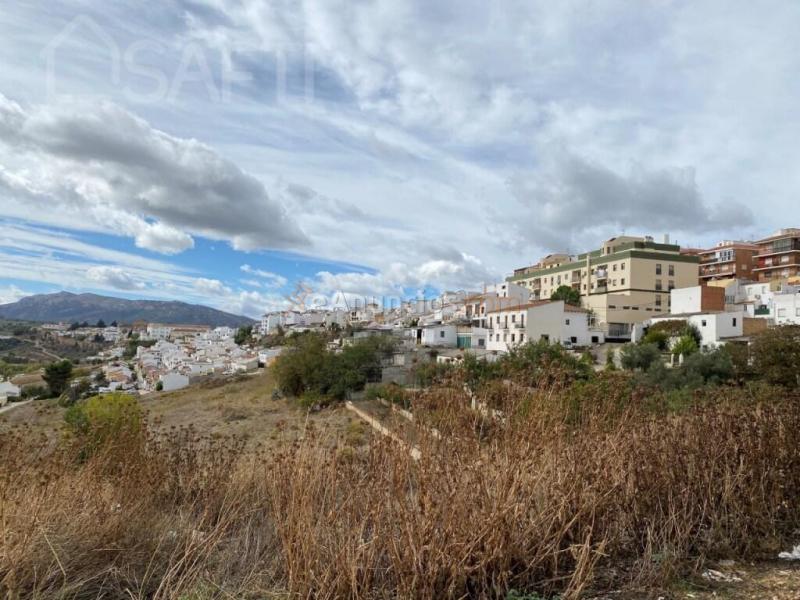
[574,490]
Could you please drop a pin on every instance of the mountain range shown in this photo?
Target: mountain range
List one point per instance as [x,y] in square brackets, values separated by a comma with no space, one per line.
[69,307]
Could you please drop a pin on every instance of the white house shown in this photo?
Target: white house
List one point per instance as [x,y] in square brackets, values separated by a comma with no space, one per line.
[556,322]
[715,327]
[173,381]
[8,390]
[442,335]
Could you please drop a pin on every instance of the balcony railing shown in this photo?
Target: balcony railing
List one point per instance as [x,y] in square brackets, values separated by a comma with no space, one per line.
[780,248]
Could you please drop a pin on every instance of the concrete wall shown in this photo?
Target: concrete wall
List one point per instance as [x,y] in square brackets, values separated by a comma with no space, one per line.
[440,335]
[786,309]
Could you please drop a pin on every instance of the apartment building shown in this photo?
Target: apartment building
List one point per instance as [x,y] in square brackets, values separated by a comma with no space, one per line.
[627,280]
[728,260]
[779,256]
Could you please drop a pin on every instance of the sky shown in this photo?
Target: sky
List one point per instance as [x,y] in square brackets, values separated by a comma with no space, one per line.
[226,152]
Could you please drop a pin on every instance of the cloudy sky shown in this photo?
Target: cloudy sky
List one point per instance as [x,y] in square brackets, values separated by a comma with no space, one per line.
[220,151]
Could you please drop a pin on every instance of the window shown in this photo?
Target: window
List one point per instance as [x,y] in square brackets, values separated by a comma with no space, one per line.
[513,318]
[658,268]
[781,312]
[521,337]
[733,321]
[545,337]
[622,281]
[671,285]
[481,343]
[614,268]
[658,301]
[573,339]
[497,337]
[505,337]
[622,267]
[784,259]
[703,323]
[567,321]
[658,285]
[513,336]
[522,319]
[797,312]
[672,270]
[441,333]
[595,339]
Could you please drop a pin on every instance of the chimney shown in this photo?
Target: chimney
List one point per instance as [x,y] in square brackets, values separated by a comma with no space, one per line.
[666,238]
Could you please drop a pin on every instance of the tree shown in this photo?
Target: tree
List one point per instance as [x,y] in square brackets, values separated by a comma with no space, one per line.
[568,294]
[243,335]
[159,385]
[101,324]
[113,323]
[74,326]
[56,375]
[685,345]
[776,355]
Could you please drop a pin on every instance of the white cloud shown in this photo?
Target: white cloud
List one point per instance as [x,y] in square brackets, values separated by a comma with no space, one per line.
[100,162]
[114,277]
[270,279]
[211,287]
[11,293]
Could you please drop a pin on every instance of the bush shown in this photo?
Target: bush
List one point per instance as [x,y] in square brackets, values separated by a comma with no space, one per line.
[639,357]
[540,362]
[103,419]
[776,355]
[658,337]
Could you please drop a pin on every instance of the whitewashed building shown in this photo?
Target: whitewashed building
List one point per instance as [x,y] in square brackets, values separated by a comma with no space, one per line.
[555,322]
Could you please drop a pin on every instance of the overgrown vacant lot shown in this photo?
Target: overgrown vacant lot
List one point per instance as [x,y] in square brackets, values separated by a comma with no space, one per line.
[575,491]
[241,406]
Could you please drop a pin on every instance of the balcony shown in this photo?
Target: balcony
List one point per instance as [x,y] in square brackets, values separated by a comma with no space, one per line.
[780,248]
[601,273]
[601,289]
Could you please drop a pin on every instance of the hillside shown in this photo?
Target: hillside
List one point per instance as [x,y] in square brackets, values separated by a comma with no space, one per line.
[68,307]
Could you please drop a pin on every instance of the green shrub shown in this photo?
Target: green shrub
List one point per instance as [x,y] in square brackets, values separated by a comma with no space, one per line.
[639,357]
[776,355]
[658,337]
[307,366]
[102,419]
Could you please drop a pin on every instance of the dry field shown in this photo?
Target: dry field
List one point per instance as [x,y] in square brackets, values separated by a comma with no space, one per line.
[574,493]
[240,406]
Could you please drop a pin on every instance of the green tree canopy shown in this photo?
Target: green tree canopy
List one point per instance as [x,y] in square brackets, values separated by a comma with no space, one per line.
[776,355]
[568,294]
[56,375]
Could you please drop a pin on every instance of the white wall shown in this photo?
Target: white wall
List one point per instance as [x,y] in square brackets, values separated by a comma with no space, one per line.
[786,309]
[173,381]
[713,327]
[686,300]
[440,335]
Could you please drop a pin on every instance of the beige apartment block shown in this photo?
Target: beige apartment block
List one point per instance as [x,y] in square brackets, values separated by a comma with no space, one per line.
[627,280]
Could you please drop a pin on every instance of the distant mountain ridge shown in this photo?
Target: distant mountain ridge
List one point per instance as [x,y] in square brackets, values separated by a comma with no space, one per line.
[69,307]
